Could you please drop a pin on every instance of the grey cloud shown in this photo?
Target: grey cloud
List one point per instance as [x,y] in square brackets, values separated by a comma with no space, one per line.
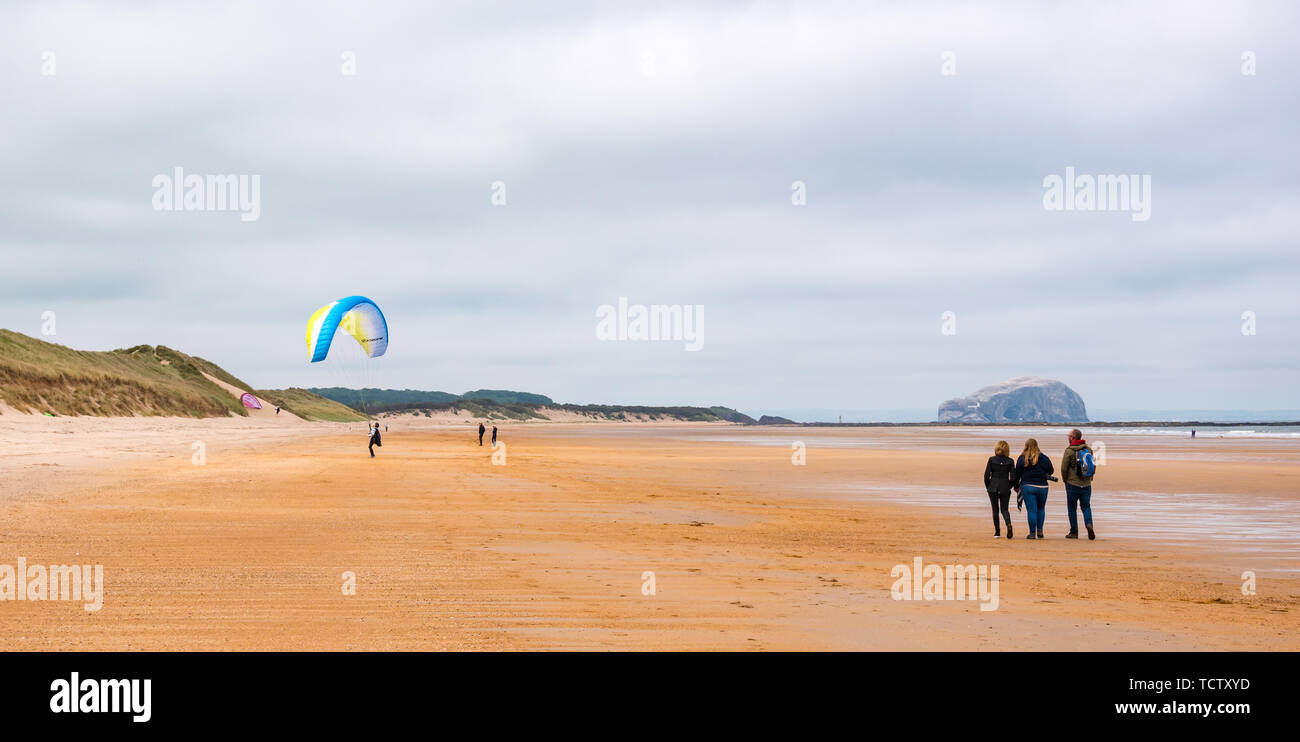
[924,193]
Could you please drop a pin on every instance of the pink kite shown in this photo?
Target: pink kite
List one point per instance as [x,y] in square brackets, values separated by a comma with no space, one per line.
[250,402]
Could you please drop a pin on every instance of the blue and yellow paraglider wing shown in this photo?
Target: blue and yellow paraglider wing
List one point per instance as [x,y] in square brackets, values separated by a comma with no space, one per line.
[356,316]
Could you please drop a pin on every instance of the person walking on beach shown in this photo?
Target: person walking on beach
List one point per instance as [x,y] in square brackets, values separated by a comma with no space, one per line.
[1077,469]
[481,431]
[494,436]
[1033,469]
[375,440]
[999,475]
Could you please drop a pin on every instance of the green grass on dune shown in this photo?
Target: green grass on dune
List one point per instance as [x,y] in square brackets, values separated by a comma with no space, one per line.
[36,376]
[310,406]
[522,411]
[497,404]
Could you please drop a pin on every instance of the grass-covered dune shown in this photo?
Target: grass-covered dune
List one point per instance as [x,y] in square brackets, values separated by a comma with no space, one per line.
[310,406]
[41,377]
[500,404]
[381,399]
[521,411]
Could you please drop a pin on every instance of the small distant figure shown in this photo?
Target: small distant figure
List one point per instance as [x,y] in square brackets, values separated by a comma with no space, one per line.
[277,410]
[375,440]
[494,436]
[1193,432]
[481,431]
[385,427]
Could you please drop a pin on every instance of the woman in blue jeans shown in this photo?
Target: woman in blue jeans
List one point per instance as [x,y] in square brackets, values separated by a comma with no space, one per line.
[1033,469]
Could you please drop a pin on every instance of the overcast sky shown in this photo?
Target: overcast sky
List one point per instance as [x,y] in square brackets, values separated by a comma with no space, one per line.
[648,150]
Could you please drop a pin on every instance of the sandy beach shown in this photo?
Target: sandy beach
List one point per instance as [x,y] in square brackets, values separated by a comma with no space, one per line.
[550,549]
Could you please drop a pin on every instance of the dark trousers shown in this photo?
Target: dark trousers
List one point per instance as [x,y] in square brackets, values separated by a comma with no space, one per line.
[372,448]
[1080,497]
[480,439]
[1001,503]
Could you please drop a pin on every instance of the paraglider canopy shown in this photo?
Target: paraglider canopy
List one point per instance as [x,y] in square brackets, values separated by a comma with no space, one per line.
[355,315]
[250,401]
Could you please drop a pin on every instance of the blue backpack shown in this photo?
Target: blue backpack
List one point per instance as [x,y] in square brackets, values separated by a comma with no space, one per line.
[1087,465]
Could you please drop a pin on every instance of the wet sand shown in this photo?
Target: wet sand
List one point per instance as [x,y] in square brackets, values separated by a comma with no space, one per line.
[551,549]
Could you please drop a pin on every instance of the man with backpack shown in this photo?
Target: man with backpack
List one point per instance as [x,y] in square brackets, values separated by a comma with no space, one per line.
[1077,469]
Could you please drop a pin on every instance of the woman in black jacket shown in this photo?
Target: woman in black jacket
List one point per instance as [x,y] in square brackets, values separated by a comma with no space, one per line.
[999,475]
